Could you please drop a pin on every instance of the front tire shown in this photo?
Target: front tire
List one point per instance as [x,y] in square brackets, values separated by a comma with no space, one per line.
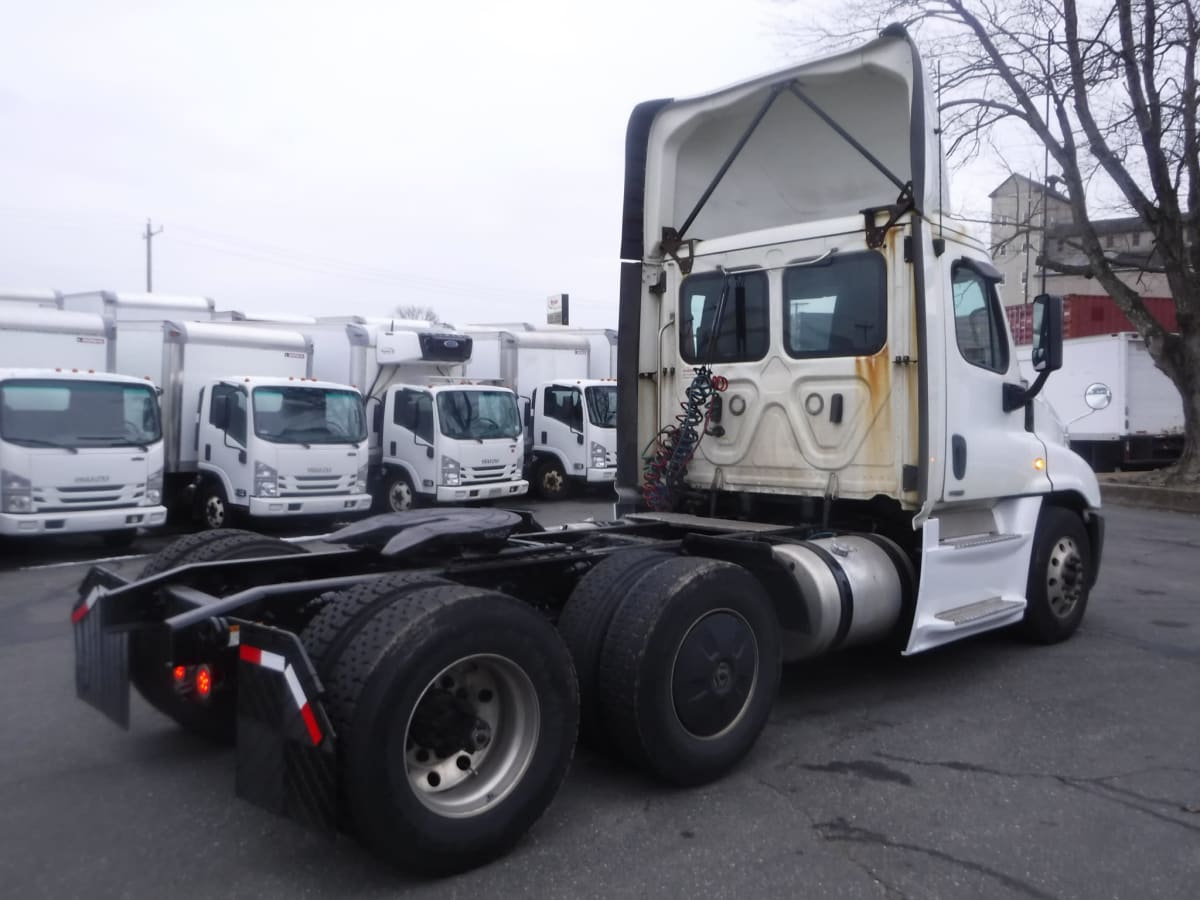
[1057,592]
[212,508]
[398,494]
[457,713]
[550,480]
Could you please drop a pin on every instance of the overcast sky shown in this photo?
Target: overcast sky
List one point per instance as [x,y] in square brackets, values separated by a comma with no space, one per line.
[343,157]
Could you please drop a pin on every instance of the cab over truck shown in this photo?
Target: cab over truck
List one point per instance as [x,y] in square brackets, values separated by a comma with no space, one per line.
[434,438]
[832,458]
[80,450]
[570,418]
[248,433]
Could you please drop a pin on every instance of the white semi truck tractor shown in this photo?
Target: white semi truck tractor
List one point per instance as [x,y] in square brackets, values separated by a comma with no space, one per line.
[249,433]
[434,437]
[824,440]
[81,450]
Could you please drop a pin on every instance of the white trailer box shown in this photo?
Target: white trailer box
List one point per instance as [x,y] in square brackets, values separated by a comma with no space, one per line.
[43,299]
[1143,425]
[127,306]
[251,317]
[248,431]
[602,342]
[80,450]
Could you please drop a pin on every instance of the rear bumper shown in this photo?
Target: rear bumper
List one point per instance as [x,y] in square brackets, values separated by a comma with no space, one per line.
[276,507]
[83,520]
[468,492]
[602,476]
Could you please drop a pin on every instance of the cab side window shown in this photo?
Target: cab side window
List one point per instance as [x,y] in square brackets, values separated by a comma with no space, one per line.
[236,427]
[977,323]
[414,411]
[565,405]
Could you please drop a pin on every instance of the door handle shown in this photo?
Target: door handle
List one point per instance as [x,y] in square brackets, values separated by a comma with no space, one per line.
[207,452]
[958,455]
[835,409]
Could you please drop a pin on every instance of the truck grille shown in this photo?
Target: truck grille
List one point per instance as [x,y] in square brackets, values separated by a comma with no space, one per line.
[70,497]
[490,474]
[315,485]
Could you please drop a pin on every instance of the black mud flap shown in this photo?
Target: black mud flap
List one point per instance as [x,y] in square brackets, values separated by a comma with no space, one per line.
[286,749]
[101,656]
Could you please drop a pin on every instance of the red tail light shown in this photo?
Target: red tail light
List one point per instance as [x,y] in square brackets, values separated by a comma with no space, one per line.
[179,673]
[203,682]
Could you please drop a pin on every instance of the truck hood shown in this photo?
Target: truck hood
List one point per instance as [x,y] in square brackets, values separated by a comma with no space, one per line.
[94,476]
[794,166]
[316,469]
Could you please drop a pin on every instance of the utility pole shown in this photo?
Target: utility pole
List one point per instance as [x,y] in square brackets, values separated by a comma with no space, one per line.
[148,237]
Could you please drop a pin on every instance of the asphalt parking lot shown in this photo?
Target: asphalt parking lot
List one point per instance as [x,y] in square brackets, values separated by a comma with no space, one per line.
[989,768]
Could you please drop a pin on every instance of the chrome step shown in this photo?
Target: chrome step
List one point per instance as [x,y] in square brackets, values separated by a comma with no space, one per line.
[984,609]
[978,540]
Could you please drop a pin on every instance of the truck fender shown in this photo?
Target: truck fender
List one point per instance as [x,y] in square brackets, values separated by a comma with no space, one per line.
[1069,473]
[541,453]
[387,470]
[212,473]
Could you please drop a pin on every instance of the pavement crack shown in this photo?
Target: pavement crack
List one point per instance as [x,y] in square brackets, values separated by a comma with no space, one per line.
[840,831]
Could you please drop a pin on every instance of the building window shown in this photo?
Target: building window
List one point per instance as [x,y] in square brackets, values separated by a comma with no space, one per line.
[1136,239]
[1108,241]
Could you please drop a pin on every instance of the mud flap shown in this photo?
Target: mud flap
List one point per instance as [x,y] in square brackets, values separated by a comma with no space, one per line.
[286,749]
[101,656]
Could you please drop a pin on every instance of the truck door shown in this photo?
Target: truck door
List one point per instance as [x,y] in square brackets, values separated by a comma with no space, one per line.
[561,426]
[988,453]
[223,436]
[409,437]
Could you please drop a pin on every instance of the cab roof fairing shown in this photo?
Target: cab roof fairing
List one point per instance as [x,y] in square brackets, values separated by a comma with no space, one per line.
[794,167]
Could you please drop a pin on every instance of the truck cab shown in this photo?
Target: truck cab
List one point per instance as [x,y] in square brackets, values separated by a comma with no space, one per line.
[271,447]
[571,434]
[451,443]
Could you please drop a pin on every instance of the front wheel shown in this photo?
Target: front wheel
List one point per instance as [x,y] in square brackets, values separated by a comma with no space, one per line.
[398,495]
[1057,592]
[213,507]
[550,480]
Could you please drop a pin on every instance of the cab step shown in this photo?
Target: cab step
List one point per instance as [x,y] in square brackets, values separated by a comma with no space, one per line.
[978,540]
[977,612]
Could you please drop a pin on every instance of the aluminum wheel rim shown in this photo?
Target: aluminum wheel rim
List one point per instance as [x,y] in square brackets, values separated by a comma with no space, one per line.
[1064,577]
[400,497]
[465,784]
[214,511]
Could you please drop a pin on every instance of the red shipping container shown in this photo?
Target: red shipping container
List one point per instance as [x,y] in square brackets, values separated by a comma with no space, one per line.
[1088,314]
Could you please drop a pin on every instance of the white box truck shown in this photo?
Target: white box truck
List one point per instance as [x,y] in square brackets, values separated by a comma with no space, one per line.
[248,432]
[132,306]
[266,318]
[570,417]
[1142,425]
[433,437]
[602,342]
[80,450]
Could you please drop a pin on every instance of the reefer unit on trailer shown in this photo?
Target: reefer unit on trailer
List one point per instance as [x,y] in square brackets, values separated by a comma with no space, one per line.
[248,431]
[836,453]
[1143,423]
[80,450]
[570,418]
[433,438]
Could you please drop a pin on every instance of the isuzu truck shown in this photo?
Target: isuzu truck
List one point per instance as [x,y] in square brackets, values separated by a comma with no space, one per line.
[81,450]
[249,432]
[824,441]
[434,437]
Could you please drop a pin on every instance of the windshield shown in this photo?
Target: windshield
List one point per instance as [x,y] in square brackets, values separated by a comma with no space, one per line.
[602,405]
[60,413]
[308,415]
[478,414]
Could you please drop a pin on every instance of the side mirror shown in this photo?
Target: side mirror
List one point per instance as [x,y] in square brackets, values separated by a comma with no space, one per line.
[220,412]
[1097,396]
[1047,333]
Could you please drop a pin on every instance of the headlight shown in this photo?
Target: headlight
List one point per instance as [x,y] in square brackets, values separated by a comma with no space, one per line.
[154,488]
[17,492]
[451,472]
[599,456]
[266,480]
[360,480]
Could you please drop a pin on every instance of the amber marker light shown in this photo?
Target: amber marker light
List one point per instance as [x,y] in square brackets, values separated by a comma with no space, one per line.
[1039,464]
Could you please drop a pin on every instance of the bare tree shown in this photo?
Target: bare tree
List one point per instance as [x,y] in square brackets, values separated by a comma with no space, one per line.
[416,312]
[1119,85]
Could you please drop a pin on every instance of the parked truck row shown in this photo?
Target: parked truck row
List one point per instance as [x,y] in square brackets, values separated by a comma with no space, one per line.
[823,440]
[266,416]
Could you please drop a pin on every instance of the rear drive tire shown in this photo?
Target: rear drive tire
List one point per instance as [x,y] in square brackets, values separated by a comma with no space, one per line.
[550,480]
[584,623]
[690,669]
[1057,593]
[149,650]
[435,672]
